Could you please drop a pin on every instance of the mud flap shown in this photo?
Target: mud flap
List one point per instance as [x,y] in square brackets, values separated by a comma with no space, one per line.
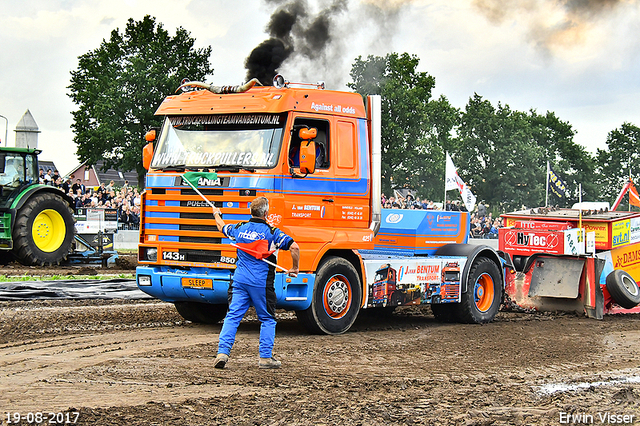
[556,277]
[592,295]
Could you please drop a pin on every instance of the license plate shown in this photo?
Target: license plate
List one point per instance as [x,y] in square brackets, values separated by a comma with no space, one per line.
[197,282]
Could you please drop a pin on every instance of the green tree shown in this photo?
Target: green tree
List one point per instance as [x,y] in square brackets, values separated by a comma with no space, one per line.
[118,86]
[496,156]
[571,161]
[619,161]
[502,155]
[415,128]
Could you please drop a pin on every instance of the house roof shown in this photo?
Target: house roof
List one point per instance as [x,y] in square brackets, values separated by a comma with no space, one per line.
[110,175]
[46,165]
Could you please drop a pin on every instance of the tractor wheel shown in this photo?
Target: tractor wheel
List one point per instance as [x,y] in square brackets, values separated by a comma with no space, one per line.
[203,313]
[623,289]
[481,302]
[43,231]
[337,295]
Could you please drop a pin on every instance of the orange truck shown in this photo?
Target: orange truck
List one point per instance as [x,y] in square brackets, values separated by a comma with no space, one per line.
[572,260]
[316,155]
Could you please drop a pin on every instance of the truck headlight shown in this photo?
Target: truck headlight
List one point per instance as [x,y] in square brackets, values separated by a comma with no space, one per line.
[150,254]
[144,280]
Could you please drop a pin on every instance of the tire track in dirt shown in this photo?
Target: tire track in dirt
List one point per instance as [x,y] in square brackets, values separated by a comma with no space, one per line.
[138,364]
[33,373]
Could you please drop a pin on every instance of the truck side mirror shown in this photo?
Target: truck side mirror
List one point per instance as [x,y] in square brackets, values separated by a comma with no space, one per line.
[150,136]
[147,155]
[307,157]
[308,134]
[308,150]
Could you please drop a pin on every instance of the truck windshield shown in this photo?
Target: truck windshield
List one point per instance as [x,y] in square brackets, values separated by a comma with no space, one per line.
[235,140]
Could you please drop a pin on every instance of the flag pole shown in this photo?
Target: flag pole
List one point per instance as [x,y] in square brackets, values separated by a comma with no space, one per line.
[629,181]
[199,193]
[444,203]
[265,260]
[546,196]
[580,201]
[240,248]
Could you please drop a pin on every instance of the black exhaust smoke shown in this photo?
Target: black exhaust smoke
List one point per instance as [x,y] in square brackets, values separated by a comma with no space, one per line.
[292,32]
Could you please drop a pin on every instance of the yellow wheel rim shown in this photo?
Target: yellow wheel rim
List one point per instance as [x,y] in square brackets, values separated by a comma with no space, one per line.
[48,230]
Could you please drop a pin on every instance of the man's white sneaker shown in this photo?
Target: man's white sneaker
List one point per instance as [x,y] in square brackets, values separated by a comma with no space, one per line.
[269,363]
[221,361]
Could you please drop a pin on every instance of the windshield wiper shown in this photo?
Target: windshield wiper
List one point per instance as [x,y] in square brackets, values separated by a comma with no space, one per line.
[228,169]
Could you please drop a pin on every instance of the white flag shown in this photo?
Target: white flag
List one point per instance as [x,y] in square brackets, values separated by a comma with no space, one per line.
[451,175]
[468,198]
[453,181]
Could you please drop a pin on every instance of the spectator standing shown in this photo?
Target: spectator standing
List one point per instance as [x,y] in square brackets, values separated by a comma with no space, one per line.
[66,185]
[48,179]
[253,282]
[482,209]
[78,186]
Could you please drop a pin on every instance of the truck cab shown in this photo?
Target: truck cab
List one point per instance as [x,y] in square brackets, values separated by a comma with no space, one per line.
[315,154]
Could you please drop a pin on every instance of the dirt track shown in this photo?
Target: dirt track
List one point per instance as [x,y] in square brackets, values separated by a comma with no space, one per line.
[139,363]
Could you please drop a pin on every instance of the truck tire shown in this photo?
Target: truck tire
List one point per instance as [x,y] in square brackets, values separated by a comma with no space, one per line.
[337,295]
[444,312]
[481,302]
[43,231]
[623,289]
[202,313]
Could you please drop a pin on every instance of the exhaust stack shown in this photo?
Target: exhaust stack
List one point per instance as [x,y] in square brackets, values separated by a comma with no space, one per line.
[374,116]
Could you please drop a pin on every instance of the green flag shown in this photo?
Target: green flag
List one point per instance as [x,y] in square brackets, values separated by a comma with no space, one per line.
[193,178]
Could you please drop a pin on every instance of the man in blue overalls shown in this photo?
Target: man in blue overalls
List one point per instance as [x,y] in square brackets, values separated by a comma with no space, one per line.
[252,283]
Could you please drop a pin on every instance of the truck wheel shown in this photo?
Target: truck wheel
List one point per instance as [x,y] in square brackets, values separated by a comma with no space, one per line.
[481,302]
[396,298]
[623,289]
[203,313]
[444,312]
[43,231]
[337,295]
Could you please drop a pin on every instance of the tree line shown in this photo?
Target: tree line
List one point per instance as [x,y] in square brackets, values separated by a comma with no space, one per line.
[499,152]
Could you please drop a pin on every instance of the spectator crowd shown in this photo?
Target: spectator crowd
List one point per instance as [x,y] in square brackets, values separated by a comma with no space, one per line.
[483,224]
[125,200]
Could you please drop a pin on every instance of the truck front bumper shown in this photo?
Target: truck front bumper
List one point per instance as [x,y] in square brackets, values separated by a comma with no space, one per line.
[207,285]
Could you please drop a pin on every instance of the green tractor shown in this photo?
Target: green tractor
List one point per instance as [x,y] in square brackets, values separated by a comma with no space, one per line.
[36,221]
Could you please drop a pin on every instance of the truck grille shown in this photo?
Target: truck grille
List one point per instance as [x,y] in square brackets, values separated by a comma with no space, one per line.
[200,240]
[178,220]
[451,291]
[201,256]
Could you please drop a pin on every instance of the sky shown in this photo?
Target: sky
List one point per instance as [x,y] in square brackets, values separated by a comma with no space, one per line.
[577,58]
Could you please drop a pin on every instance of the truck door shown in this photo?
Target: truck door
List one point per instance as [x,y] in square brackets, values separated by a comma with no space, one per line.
[351,173]
[309,199]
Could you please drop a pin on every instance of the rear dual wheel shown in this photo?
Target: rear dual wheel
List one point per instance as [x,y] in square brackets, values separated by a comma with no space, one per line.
[481,302]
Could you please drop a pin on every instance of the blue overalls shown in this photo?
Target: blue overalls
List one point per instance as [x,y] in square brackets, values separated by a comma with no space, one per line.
[253,284]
